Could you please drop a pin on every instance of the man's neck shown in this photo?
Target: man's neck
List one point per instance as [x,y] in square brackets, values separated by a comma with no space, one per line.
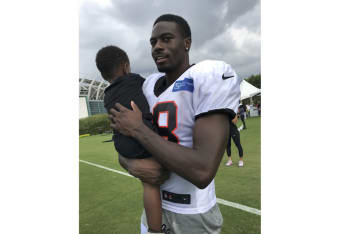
[171,77]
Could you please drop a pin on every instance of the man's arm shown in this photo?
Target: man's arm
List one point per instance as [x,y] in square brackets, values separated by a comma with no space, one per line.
[148,170]
[198,164]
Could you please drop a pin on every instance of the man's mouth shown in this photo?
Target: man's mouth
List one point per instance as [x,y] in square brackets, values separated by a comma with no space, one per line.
[160,59]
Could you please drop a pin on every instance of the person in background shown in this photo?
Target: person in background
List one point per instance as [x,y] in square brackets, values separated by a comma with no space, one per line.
[248,110]
[235,135]
[241,113]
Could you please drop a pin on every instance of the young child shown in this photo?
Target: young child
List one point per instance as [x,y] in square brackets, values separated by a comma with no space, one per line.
[114,66]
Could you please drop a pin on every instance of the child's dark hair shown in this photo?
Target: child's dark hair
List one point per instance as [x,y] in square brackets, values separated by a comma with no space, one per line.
[182,23]
[109,59]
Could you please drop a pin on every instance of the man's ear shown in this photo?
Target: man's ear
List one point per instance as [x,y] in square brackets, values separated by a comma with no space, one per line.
[187,43]
[126,68]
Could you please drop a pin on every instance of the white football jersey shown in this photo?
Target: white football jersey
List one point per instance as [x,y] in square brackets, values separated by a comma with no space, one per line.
[205,87]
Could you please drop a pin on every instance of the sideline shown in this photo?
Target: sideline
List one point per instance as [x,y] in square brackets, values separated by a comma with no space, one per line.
[219,200]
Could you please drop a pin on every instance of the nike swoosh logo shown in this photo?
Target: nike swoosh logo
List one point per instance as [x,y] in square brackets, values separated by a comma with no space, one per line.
[226,77]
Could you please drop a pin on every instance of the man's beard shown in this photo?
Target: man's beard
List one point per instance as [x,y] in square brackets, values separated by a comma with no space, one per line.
[165,69]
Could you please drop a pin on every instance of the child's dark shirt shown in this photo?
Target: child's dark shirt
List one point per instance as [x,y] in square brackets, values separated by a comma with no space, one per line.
[123,90]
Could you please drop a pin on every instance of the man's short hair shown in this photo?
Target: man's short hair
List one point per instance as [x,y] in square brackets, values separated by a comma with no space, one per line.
[109,59]
[182,23]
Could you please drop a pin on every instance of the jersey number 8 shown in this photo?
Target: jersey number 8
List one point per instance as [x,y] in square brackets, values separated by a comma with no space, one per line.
[165,117]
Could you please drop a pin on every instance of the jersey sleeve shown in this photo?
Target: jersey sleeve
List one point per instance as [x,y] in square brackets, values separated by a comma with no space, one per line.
[216,89]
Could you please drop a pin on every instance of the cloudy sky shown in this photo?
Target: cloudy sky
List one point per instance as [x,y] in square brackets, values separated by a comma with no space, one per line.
[228,30]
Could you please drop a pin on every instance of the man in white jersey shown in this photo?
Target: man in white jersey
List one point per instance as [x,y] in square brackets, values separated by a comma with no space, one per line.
[191,106]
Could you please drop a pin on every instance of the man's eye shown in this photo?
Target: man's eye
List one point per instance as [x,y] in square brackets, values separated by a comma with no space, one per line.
[166,39]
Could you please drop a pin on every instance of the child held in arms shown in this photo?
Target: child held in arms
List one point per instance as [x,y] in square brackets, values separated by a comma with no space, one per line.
[125,87]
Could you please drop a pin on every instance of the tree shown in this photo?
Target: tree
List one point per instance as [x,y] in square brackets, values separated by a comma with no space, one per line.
[255,80]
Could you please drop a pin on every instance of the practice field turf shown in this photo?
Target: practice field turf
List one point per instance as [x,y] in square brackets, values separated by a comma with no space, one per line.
[112,203]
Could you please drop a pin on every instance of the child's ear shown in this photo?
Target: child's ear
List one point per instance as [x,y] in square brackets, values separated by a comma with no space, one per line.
[126,68]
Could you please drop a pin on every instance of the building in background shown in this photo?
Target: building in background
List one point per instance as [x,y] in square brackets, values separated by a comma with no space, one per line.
[91,97]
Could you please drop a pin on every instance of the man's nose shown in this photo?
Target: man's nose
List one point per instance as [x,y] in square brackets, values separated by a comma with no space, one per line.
[158,46]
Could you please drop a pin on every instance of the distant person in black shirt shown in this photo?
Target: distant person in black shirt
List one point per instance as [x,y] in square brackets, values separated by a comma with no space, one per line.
[242,113]
[125,87]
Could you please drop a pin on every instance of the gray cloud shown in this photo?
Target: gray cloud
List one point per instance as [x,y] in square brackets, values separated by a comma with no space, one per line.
[224,30]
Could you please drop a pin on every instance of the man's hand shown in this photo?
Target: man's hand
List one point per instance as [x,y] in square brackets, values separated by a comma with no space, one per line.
[147,170]
[124,120]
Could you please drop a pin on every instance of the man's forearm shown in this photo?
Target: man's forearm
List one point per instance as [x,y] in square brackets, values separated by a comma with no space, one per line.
[174,157]
[194,164]
[147,170]
[122,162]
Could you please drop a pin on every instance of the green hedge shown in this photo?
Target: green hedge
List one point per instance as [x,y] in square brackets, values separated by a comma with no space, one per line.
[95,124]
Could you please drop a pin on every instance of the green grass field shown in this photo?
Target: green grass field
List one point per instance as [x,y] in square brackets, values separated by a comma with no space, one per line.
[112,203]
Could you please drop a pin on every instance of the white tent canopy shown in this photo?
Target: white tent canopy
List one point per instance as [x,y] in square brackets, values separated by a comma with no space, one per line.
[248,90]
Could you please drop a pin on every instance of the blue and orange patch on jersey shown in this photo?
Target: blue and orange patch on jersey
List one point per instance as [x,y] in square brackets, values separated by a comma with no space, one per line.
[184,85]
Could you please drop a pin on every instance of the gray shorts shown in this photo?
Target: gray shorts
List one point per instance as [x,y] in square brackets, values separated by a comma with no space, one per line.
[209,222]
